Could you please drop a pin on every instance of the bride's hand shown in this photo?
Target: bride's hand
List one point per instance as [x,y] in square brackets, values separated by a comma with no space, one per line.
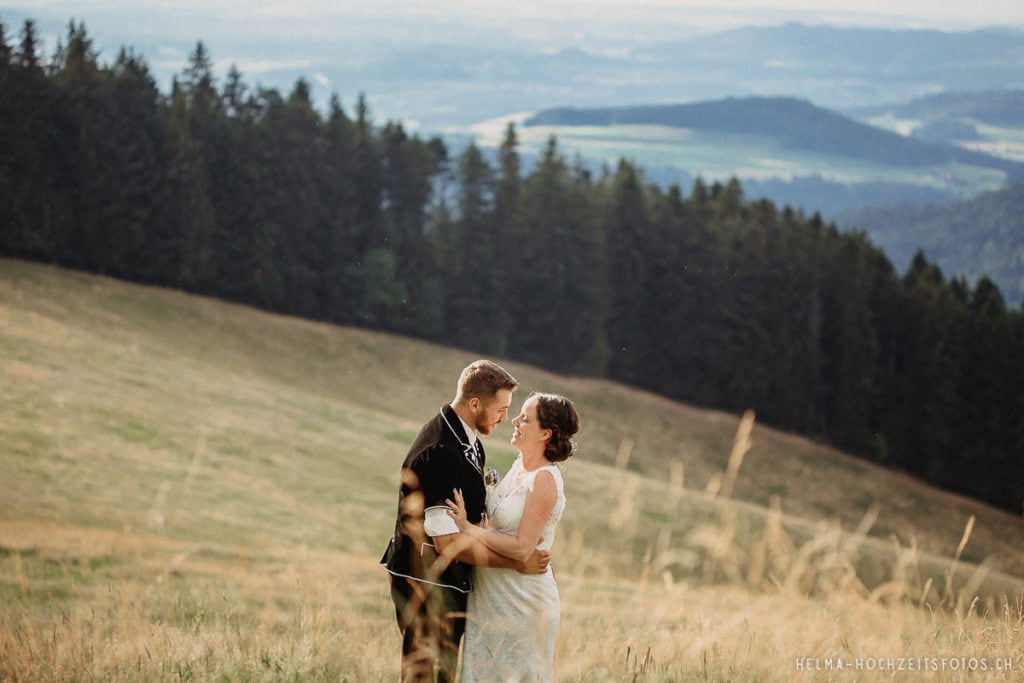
[457,510]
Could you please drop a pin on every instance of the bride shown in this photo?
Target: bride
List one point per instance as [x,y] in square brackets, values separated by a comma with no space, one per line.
[512,618]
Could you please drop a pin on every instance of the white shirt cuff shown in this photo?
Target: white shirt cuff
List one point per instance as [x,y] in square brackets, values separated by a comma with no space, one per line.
[436,521]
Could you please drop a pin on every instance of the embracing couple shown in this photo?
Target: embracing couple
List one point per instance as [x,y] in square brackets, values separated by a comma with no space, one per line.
[465,561]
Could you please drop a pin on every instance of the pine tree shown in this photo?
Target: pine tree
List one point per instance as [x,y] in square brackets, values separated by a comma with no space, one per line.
[6,55]
[112,174]
[681,282]
[342,288]
[545,195]
[850,344]
[77,73]
[577,326]
[188,217]
[132,152]
[267,264]
[367,226]
[469,257]
[628,233]
[986,465]
[929,405]
[296,163]
[7,148]
[559,270]
[1013,430]
[34,218]
[234,99]
[409,168]
[235,172]
[509,235]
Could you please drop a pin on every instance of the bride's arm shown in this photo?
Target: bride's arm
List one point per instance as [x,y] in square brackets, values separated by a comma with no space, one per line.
[454,545]
[468,549]
[540,501]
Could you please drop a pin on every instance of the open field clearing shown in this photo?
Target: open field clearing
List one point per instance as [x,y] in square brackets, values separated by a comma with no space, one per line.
[192,490]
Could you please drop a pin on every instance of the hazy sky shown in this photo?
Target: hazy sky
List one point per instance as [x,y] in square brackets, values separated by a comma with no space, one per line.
[163,28]
[700,13]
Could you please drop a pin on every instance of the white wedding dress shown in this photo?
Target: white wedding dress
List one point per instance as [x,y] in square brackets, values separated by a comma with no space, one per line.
[512,618]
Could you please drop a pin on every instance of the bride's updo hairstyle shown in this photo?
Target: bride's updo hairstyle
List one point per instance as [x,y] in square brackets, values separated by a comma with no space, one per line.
[558,414]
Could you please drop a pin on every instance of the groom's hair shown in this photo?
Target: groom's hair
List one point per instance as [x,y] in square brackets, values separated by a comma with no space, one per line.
[483,379]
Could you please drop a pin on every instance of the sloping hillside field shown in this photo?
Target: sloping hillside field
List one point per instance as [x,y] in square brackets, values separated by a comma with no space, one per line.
[196,490]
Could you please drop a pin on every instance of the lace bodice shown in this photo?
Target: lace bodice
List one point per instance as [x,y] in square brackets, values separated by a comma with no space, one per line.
[505,503]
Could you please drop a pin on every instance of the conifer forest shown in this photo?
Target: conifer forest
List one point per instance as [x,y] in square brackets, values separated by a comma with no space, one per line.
[699,294]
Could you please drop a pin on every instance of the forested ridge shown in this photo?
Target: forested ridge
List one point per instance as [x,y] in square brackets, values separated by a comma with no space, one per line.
[254,196]
[994,221]
[794,123]
[994,107]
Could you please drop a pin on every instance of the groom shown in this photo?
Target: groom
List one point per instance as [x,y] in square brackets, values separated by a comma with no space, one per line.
[429,562]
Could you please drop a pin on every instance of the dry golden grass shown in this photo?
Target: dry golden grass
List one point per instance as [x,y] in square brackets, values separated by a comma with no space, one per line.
[96,605]
[193,490]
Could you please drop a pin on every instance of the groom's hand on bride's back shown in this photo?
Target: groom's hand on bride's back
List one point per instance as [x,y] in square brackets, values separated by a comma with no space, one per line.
[537,563]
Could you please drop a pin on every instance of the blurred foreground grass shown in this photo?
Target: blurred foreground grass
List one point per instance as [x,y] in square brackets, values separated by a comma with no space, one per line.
[194,490]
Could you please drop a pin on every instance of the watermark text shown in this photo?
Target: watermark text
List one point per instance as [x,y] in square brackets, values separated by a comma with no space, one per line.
[907,664]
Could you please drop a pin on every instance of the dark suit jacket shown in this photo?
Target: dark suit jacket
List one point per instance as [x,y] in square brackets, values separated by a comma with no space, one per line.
[435,465]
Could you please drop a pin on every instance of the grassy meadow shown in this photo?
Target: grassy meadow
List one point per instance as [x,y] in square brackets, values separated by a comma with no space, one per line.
[193,490]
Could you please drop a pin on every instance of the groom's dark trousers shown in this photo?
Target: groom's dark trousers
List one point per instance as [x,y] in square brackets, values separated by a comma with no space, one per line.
[430,599]
[432,620]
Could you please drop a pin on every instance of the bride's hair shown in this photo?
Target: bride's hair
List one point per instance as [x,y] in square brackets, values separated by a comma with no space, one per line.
[557,413]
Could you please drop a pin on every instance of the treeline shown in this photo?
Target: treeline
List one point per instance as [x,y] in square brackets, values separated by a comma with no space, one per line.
[706,297]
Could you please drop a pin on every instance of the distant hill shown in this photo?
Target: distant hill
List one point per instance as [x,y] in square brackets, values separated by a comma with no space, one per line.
[980,236]
[990,121]
[793,123]
[996,107]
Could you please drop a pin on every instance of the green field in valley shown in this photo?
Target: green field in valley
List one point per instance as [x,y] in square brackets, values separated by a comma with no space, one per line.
[713,156]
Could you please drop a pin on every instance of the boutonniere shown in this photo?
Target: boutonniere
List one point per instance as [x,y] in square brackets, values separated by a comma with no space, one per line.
[491,478]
